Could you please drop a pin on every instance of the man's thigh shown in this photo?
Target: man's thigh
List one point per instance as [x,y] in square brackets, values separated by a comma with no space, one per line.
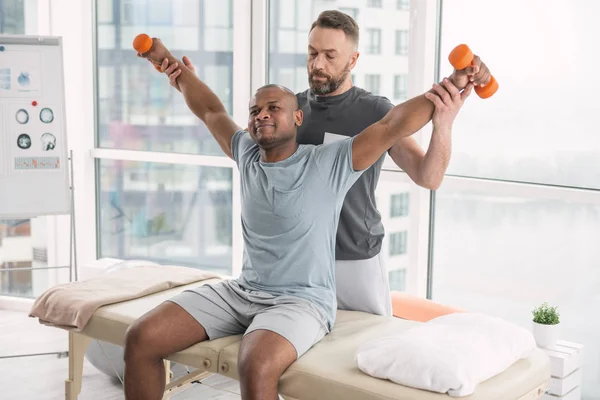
[363,285]
[220,310]
[295,322]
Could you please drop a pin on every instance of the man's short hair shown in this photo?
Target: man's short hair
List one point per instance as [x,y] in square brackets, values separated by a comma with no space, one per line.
[335,19]
[284,89]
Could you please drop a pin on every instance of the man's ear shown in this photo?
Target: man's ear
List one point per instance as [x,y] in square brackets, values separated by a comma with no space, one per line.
[353,59]
[298,117]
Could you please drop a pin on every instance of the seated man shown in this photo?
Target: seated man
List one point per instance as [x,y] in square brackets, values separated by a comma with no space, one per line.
[284,301]
[333,106]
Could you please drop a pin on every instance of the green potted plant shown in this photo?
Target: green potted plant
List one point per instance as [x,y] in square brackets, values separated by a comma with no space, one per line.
[546,320]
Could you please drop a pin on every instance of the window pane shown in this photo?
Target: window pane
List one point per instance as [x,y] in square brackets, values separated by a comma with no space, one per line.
[374,41]
[397,243]
[289,26]
[172,214]
[18,17]
[395,256]
[373,83]
[400,88]
[529,130]
[503,255]
[402,42]
[24,245]
[403,4]
[137,107]
[398,280]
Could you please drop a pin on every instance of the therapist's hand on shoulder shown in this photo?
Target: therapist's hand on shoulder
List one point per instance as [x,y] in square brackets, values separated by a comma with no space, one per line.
[448,101]
[174,70]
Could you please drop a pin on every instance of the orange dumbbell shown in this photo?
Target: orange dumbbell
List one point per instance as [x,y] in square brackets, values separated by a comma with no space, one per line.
[143,44]
[460,58]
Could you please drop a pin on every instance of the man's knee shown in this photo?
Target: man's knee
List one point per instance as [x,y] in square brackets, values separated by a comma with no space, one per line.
[260,367]
[264,355]
[140,340]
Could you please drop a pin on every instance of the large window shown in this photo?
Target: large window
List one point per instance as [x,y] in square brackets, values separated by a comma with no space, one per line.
[179,214]
[535,136]
[528,230]
[504,254]
[171,214]
[399,205]
[137,107]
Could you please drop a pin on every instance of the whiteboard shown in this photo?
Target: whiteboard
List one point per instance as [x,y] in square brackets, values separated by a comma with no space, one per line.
[34,176]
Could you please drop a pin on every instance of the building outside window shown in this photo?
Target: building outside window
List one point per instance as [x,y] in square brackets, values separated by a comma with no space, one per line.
[373,83]
[401,42]
[397,243]
[373,41]
[399,205]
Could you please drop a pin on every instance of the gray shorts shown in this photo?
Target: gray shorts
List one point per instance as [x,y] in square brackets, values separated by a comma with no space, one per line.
[226,309]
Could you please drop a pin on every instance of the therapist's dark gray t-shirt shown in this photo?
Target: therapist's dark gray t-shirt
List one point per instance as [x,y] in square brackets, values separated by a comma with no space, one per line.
[360,231]
[290,211]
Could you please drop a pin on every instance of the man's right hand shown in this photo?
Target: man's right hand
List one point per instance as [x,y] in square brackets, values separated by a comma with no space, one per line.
[174,70]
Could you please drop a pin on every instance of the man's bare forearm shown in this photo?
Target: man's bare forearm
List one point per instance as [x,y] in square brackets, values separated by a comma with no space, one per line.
[199,97]
[412,115]
[207,106]
[409,117]
[436,159]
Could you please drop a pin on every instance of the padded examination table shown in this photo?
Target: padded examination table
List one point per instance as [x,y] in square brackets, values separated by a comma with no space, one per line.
[328,371]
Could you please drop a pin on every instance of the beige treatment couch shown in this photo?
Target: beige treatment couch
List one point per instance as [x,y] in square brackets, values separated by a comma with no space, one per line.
[326,372]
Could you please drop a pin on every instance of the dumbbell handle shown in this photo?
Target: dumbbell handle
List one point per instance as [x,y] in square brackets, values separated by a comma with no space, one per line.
[460,58]
[143,44]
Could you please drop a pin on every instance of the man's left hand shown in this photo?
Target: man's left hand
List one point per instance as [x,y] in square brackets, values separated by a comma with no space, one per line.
[448,101]
[477,73]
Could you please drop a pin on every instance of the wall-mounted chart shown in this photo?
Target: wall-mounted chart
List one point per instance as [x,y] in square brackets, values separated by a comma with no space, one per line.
[33,142]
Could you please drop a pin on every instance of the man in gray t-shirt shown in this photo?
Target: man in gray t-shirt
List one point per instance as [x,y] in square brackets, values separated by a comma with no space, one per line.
[334,107]
[284,300]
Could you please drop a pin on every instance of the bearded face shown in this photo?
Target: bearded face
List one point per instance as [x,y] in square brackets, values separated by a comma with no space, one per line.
[321,83]
[331,57]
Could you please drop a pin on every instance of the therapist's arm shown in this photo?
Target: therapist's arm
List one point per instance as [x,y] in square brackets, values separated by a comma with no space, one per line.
[369,145]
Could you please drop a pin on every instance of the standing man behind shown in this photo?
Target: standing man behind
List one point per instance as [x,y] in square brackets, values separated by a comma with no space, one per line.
[333,106]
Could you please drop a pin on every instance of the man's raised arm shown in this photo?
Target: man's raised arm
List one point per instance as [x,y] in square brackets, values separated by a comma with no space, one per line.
[201,100]
[374,141]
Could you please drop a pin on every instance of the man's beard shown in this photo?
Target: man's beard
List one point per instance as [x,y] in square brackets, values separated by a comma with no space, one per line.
[329,85]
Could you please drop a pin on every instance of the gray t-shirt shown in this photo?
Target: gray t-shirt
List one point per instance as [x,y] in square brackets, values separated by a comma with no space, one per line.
[290,212]
[360,231]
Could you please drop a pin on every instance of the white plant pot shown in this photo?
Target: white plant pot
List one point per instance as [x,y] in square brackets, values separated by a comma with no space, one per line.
[545,335]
